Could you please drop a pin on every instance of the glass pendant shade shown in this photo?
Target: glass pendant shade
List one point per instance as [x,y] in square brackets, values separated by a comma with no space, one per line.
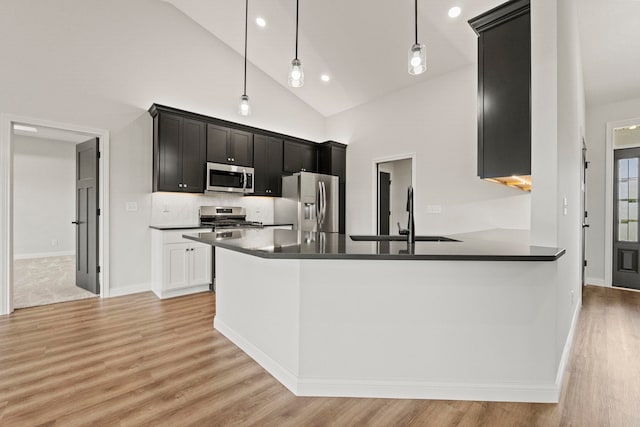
[417,59]
[244,108]
[296,74]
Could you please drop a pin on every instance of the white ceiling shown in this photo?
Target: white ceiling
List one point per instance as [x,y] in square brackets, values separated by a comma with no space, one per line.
[610,39]
[361,44]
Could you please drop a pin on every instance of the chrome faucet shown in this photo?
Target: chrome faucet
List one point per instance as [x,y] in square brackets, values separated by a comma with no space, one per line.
[410,231]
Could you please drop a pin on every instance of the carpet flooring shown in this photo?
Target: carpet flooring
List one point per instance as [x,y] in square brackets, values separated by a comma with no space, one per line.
[42,281]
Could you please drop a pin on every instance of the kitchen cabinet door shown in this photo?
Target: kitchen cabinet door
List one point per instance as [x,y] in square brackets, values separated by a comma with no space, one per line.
[268,166]
[194,156]
[299,157]
[240,148]
[167,150]
[217,144]
[200,265]
[176,266]
[179,154]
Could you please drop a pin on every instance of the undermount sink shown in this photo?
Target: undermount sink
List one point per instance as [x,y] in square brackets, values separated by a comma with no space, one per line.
[386,238]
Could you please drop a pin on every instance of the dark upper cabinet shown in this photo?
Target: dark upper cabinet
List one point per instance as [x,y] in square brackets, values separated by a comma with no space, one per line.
[332,160]
[504,90]
[299,157]
[179,153]
[229,146]
[267,153]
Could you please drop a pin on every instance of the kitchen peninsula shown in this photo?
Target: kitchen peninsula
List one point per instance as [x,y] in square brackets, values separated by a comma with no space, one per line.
[470,319]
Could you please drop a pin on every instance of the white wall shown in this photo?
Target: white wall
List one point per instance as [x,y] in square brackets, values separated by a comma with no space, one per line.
[597,118]
[437,120]
[44,197]
[571,124]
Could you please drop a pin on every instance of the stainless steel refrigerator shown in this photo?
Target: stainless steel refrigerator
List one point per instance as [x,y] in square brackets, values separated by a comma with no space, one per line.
[309,201]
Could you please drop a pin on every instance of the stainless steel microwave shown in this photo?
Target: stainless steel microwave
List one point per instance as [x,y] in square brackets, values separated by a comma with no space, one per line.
[230,178]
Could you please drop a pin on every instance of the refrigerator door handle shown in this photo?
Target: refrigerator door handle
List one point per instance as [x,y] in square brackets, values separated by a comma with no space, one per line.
[319,205]
[324,201]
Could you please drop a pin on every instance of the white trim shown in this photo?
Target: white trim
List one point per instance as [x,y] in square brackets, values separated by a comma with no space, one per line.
[512,392]
[43,255]
[608,192]
[374,180]
[6,202]
[286,377]
[128,290]
[596,281]
[566,351]
[179,292]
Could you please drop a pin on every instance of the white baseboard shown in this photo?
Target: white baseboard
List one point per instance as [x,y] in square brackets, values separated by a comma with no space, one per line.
[43,255]
[179,292]
[595,281]
[128,290]
[286,378]
[566,351]
[500,392]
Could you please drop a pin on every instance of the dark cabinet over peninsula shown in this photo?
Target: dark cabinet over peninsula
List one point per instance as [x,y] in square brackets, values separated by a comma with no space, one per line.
[267,153]
[504,93]
[179,153]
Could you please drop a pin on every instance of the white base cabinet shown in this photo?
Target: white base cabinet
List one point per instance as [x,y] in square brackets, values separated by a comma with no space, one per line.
[179,266]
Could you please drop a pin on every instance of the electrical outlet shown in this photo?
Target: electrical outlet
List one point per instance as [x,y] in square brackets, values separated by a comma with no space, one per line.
[54,242]
[165,209]
[132,206]
[434,209]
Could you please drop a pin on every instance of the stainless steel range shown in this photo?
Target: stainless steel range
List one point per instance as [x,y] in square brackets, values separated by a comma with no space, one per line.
[223,220]
[225,217]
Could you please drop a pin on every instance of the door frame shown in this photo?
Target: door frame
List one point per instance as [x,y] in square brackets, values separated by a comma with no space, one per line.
[374,183]
[608,194]
[6,201]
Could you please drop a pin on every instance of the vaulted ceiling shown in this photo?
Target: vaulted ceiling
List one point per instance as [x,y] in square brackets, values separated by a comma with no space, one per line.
[363,44]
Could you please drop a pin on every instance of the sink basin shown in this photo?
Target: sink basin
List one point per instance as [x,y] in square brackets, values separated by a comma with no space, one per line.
[385,238]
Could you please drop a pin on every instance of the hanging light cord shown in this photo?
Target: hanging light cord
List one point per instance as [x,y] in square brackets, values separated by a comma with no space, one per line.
[246,19]
[297,7]
[416,3]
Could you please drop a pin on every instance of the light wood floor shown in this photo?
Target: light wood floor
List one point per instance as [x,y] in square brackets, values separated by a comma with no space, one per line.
[136,360]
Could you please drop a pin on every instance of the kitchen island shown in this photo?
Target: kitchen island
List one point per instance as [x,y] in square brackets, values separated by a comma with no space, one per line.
[327,316]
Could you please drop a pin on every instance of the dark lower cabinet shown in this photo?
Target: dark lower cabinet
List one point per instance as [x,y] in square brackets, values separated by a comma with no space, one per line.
[229,146]
[179,153]
[267,154]
[299,157]
[504,90]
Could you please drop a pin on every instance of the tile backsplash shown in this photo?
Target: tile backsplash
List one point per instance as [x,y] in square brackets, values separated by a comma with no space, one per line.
[182,209]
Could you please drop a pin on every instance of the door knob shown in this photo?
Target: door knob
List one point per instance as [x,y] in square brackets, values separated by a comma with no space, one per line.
[75,222]
[585,225]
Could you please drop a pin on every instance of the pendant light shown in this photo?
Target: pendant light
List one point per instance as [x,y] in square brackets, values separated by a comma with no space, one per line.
[296,73]
[418,52]
[244,107]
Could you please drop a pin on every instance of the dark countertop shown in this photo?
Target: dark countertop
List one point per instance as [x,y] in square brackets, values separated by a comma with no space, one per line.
[178,227]
[288,244]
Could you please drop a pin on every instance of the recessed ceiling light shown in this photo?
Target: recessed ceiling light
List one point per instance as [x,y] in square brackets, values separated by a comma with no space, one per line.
[25,128]
[454,12]
[632,127]
[325,77]
[261,22]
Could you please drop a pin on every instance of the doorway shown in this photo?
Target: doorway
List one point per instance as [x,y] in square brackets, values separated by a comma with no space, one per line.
[625,260]
[393,178]
[56,255]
